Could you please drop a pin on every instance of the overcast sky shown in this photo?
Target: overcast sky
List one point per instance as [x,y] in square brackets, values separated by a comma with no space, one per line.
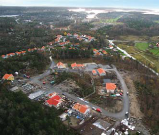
[147,4]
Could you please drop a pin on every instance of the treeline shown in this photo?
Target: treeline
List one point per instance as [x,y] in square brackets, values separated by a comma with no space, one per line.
[148,90]
[133,24]
[71,53]
[31,62]
[21,116]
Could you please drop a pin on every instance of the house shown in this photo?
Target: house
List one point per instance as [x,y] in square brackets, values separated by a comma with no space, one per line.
[69,35]
[23,52]
[110,87]
[104,52]
[9,77]
[77,66]
[4,56]
[157,44]
[29,50]
[55,101]
[59,36]
[43,48]
[94,72]
[111,47]
[95,51]
[101,72]
[61,65]
[18,53]
[75,35]
[81,110]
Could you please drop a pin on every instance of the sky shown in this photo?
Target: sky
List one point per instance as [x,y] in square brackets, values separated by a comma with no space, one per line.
[143,4]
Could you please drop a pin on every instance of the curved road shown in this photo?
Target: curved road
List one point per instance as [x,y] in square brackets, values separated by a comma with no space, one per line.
[119,115]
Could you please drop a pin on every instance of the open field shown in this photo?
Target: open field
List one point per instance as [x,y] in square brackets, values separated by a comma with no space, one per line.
[155,51]
[146,58]
[138,38]
[142,46]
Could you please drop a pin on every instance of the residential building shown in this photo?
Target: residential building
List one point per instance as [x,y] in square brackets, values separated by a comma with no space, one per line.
[110,87]
[9,77]
[81,110]
[61,65]
[94,72]
[55,101]
[77,66]
[101,72]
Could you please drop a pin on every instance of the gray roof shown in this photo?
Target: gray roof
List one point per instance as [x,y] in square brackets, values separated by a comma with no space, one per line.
[35,94]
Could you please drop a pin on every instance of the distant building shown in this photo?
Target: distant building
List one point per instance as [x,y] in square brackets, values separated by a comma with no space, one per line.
[77,66]
[61,65]
[110,87]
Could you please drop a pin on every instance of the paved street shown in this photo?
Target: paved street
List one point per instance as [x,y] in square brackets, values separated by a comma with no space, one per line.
[119,115]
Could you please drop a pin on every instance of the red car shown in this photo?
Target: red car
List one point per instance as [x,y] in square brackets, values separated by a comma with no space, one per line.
[121,94]
[44,82]
[98,110]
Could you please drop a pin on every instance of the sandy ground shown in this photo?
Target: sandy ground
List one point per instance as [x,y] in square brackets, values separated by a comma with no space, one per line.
[134,103]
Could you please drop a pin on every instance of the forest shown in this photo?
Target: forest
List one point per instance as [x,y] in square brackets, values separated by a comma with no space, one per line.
[21,116]
[30,63]
[132,23]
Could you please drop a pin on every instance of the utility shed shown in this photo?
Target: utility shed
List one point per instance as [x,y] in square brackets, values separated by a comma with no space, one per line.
[14,89]
[36,94]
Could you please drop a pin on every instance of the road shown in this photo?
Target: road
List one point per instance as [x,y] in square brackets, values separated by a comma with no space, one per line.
[50,88]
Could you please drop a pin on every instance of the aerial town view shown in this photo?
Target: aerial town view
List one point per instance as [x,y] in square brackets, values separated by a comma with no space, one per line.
[79,67]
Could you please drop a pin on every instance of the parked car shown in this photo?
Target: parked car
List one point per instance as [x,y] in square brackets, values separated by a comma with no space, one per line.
[127,93]
[98,110]
[44,82]
[93,108]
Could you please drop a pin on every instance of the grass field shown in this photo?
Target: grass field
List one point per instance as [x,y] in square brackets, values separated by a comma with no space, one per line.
[155,51]
[144,57]
[138,38]
[142,46]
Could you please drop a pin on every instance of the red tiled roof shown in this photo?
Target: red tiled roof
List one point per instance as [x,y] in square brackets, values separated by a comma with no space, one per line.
[101,70]
[54,100]
[81,108]
[94,71]
[6,76]
[73,65]
[110,86]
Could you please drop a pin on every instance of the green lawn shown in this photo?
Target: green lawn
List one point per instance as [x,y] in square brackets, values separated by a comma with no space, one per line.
[155,51]
[142,46]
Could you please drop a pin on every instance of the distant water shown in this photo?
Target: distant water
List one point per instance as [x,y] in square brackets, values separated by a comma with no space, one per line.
[9,15]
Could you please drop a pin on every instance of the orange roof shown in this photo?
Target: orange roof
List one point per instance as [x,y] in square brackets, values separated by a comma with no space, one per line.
[3,56]
[94,71]
[60,64]
[101,70]
[6,76]
[81,108]
[23,51]
[73,65]
[18,52]
[110,86]
[80,65]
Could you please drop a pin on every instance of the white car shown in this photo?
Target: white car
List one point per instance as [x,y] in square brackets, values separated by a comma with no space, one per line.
[93,108]
[127,93]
